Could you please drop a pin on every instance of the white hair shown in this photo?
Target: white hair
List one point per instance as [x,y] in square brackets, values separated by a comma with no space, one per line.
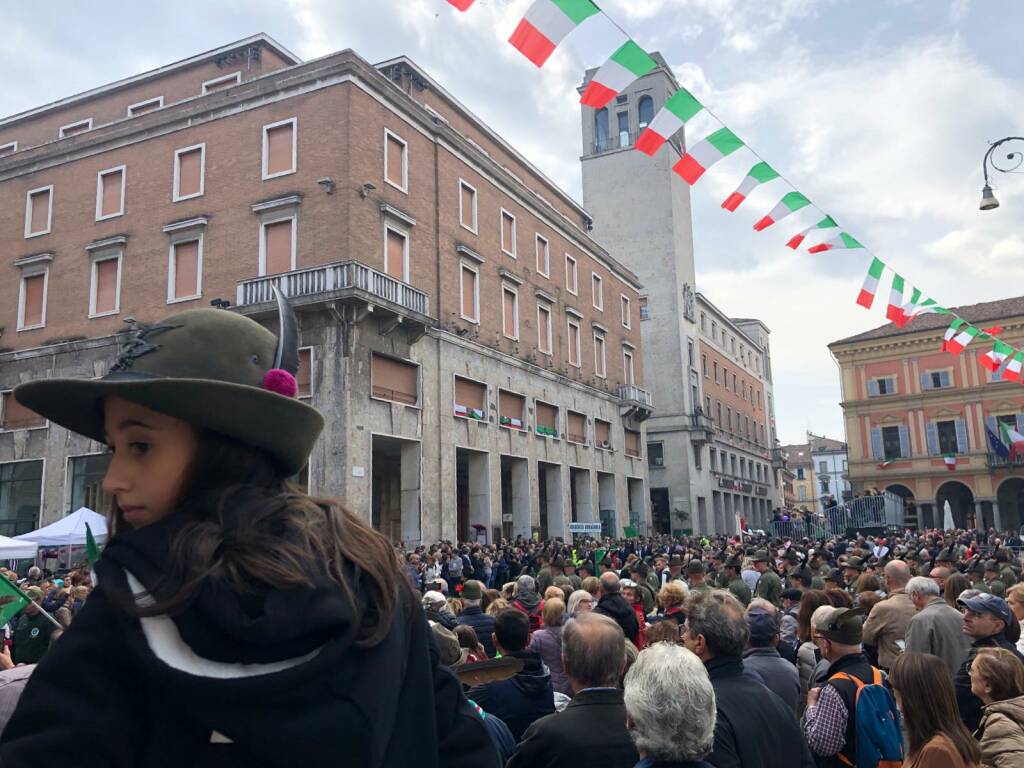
[922,585]
[760,604]
[526,583]
[574,600]
[670,700]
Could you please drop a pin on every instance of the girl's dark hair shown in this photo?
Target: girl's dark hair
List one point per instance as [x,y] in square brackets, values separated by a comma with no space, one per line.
[467,637]
[810,601]
[249,528]
[926,690]
[955,584]
[838,598]
[868,582]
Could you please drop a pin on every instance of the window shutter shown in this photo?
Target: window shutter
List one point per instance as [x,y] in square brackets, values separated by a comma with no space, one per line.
[993,424]
[279,149]
[577,427]
[547,416]
[961,437]
[601,432]
[872,387]
[190,172]
[470,394]
[904,442]
[106,286]
[926,381]
[186,269]
[17,416]
[110,189]
[40,202]
[511,405]
[508,303]
[34,286]
[543,330]
[933,438]
[278,248]
[945,379]
[394,379]
[466,194]
[396,159]
[508,233]
[396,255]
[468,293]
[303,377]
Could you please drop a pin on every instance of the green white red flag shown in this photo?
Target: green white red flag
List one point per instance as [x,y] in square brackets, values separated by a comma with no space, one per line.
[840,241]
[546,24]
[624,66]
[895,309]
[959,334]
[995,357]
[1013,438]
[870,287]
[1010,368]
[827,223]
[680,107]
[791,202]
[761,173]
[919,305]
[706,153]
[950,460]
[462,5]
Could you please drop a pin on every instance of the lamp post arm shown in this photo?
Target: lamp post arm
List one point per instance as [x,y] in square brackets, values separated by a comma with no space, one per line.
[987,160]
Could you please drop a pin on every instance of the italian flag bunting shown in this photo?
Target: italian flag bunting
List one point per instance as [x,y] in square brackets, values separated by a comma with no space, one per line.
[462,5]
[950,460]
[1013,438]
[680,107]
[790,203]
[759,174]
[624,66]
[959,334]
[895,309]
[840,241]
[706,153]
[995,357]
[1011,366]
[870,287]
[827,223]
[919,305]
[885,464]
[546,24]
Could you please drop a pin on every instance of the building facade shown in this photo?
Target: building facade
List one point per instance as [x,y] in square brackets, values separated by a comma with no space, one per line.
[800,463]
[475,352]
[831,470]
[907,406]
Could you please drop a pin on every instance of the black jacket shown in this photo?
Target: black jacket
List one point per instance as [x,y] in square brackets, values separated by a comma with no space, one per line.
[482,624]
[521,699]
[616,607]
[267,679]
[754,728]
[591,731]
[969,704]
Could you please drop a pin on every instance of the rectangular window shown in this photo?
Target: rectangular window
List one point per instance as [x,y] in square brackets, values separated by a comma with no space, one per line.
[948,442]
[543,261]
[14,415]
[32,301]
[707,405]
[470,399]
[222,83]
[185,269]
[714,367]
[576,428]
[882,386]
[631,439]
[645,313]
[189,172]
[395,380]
[544,328]
[602,434]
[280,148]
[105,285]
[728,418]
[891,443]
[396,161]
[38,211]
[467,206]
[142,107]
[509,312]
[469,289]
[85,481]
[304,376]
[511,408]
[110,193]
[704,363]
[277,247]
[599,356]
[547,419]
[9,148]
[936,380]
[21,496]
[718,414]
[570,275]
[624,310]
[627,368]
[71,129]
[396,254]
[656,454]
[574,342]
[597,291]
[823,467]
[508,233]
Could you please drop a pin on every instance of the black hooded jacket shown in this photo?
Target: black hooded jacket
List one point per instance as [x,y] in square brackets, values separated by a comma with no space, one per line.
[267,679]
[617,608]
[519,700]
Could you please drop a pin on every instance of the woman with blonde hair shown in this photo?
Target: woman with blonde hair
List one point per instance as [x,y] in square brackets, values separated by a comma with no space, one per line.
[496,606]
[580,601]
[671,599]
[1015,599]
[997,678]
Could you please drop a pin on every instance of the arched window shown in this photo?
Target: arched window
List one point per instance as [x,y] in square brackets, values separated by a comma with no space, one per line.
[601,130]
[645,111]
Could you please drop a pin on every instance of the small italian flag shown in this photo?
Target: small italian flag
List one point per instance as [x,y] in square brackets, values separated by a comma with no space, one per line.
[759,174]
[462,5]
[959,334]
[885,464]
[827,223]
[791,202]
[624,66]
[546,24]
[1011,367]
[950,460]
[840,241]
[706,153]
[870,287]
[995,357]
[894,311]
[680,107]
[919,305]
[1012,438]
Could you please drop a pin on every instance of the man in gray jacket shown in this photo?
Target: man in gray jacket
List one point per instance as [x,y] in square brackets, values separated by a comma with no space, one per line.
[937,628]
[762,657]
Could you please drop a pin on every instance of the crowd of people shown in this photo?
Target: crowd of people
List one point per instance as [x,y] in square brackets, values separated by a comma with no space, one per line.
[788,644]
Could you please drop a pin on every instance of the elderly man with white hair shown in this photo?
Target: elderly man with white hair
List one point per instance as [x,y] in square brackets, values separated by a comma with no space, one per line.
[937,627]
[670,708]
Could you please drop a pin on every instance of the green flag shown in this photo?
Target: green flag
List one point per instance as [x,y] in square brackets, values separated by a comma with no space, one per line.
[12,600]
[598,557]
[630,532]
[91,550]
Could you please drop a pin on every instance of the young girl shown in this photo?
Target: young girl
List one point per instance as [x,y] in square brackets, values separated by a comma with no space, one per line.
[235,620]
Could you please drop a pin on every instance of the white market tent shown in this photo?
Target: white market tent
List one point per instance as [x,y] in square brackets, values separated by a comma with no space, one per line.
[12,549]
[69,531]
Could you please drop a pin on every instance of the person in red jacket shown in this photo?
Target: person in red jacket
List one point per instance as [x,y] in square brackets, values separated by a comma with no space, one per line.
[631,591]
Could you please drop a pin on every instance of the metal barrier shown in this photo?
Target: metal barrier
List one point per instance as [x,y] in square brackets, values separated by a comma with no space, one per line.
[883,510]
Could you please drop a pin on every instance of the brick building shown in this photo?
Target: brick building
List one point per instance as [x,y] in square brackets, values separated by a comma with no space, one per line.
[907,405]
[474,351]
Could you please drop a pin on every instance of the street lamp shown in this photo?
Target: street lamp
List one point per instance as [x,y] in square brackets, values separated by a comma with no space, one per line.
[988,200]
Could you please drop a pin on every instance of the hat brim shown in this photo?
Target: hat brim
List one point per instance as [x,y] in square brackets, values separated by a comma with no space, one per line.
[980,606]
[281,426]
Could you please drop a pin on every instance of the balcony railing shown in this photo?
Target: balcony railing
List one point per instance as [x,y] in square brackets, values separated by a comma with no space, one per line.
[615,141]
[995,461]
[329,278]
[700,422]
[778,458]
[634,394]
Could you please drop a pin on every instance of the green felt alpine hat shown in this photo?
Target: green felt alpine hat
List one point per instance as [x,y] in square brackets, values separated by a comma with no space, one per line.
[212,368]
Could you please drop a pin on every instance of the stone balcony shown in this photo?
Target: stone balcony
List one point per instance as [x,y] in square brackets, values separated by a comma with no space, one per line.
[635,401]
[700,426]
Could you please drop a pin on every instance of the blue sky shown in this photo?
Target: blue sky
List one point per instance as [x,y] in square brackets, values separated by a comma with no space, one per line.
[878,110]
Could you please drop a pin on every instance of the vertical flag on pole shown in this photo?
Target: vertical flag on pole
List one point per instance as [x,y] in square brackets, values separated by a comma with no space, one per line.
[759,174]
[870,287]
[706,153]
[791,202]
[546,24]
[624,66]
[895,309]
[680,107]
[827,223]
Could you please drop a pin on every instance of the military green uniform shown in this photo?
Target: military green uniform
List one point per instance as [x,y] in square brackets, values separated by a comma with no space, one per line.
[740,590]
[544,581]
[701,588]
[31,638]
[996,587]
[769,587]
[653,581]
[646,597]
[1007,576]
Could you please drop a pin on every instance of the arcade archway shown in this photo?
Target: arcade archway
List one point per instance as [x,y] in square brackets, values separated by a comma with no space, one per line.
[1010,496]
[961,503]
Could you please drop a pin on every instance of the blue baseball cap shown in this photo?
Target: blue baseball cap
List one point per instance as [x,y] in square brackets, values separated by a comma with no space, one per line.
[986,603]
